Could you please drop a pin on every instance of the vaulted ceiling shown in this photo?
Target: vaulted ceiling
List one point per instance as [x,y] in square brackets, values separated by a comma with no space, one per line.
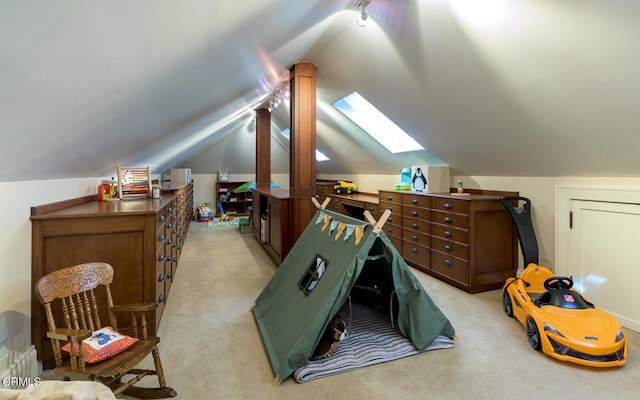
[514,87]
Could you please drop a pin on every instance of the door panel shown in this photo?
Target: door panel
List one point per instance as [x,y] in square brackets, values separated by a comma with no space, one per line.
[605,251]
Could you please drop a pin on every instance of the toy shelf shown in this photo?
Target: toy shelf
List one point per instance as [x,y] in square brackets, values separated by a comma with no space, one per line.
[238,203]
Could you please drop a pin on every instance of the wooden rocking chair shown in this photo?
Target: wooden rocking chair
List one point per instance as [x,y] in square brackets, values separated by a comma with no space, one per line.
[72,289]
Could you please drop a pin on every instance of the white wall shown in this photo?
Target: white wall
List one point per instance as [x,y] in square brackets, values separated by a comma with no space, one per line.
[16,200]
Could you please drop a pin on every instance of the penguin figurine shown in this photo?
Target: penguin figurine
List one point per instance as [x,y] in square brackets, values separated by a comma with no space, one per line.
[419,181]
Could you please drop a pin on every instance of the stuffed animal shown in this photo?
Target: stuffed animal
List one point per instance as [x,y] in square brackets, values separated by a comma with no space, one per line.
[334,333]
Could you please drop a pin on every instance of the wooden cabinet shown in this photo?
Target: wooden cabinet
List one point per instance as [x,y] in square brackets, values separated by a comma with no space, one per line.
[232,202]
[271,221]
[468,241]
[141,238]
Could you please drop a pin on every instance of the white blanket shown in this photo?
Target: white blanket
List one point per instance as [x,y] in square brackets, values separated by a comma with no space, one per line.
[60,390]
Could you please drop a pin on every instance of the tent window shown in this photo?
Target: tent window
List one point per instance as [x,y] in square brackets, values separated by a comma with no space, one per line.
[313,274]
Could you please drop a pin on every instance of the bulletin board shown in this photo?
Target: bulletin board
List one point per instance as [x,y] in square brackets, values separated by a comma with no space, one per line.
[134,182]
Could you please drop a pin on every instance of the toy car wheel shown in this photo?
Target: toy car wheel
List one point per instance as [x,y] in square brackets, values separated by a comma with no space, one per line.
[507,306]
[533,334]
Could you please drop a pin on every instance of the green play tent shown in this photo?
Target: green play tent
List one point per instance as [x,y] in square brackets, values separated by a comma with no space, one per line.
[315,279]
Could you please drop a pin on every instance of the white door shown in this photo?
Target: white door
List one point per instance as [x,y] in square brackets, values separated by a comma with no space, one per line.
[605,261]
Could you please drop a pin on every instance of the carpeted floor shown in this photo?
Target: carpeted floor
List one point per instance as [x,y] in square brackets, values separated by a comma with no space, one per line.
[211,348]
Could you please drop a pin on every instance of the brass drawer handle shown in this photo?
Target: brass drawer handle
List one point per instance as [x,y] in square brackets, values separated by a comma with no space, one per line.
[448,220]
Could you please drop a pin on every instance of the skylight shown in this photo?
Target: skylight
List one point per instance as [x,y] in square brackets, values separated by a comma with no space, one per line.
[320,156]
[376,124]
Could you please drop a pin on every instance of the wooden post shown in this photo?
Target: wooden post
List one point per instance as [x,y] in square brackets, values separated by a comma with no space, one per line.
[302,167]
[263,148]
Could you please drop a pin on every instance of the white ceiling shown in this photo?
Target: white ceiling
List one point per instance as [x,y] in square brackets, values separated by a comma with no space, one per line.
[516,87]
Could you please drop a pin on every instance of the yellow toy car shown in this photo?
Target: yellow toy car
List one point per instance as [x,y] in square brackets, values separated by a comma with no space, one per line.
[345,186]
[561,322]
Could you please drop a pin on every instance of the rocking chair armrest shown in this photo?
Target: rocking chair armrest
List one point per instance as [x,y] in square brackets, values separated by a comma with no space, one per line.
[76,335]
[134,307]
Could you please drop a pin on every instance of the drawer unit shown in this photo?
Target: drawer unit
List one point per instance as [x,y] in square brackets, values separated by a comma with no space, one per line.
[450,267]
[455,249]
[415,237]
[468,241]
[450,219]
[419,225]
[135,236]
[416,200]
[416,212]
[450,233]
[450,205]
[416,254]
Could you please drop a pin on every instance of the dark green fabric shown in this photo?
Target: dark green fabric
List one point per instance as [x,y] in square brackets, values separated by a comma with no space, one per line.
[291,323]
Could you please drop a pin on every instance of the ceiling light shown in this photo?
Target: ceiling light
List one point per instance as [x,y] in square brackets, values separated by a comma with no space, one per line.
[281,93]
[362,18]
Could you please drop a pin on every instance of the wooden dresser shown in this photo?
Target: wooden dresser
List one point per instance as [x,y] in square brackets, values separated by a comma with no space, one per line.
[468,241]
[141,238]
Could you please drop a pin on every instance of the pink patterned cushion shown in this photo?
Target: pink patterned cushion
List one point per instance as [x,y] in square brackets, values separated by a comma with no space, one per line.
[102,344]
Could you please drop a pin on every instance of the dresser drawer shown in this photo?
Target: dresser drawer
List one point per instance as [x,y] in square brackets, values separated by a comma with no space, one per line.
[450,219]
[416,254]
[161,218]
[391,197]
[395,208]
[372,208]
[415,212]
[450,205]
[394,219]
[455,249]
[392,230]
[450,266]
[422,239]
[450,233]
[416,225]
[416,200]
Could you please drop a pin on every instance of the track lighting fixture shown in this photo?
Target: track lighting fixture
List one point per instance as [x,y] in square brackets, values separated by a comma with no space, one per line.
[362,18]
[281,93]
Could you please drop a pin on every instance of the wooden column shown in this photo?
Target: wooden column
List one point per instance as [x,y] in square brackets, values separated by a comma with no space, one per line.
[302,160]
[263,148]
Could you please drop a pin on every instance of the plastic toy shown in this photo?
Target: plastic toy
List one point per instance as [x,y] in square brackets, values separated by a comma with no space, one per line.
[559,321]
[345,186]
